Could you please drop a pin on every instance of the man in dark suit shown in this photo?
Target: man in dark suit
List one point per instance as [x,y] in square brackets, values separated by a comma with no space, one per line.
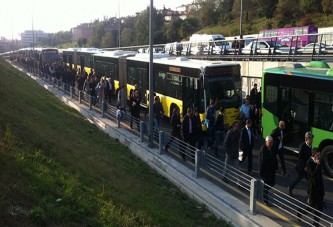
[316,189]
[188,130]
[267,166]
[277,135]
[303,156]
[246,144]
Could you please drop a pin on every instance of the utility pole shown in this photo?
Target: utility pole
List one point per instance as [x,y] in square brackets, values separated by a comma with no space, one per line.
[33,46]
[151,75]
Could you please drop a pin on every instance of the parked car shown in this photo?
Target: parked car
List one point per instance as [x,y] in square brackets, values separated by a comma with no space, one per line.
[173,48]
[313,48]
[265,47]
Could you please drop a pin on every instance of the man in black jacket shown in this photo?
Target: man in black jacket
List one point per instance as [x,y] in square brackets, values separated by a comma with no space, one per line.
[303,156]
[188,130]
[267,166]
[246,144]
[277,135]
[219,130]
[316,189]
[231,147]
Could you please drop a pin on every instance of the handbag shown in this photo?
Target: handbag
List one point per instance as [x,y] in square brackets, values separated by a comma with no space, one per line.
[240,155]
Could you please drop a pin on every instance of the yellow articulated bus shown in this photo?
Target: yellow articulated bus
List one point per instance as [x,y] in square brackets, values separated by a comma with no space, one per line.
[178,81]
[80,58]
[183,82]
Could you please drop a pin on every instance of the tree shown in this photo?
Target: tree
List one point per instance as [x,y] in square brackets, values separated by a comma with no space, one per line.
[287,12]
[98,33]
[142,25]
[268,7]
[224,8]
[189,26]
[207,12]
[172,30]
[81,42]
[327,6]
[310,6]
[107,41]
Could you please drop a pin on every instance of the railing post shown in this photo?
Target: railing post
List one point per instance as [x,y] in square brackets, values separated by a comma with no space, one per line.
[71,91]
[161,141]
[198,159]
[54,82]
[142,131]
[103,107]
[90,102]
[64,88]
[253,196]
[80,96]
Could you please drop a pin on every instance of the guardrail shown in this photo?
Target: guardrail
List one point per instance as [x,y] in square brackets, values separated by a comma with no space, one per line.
[203,163]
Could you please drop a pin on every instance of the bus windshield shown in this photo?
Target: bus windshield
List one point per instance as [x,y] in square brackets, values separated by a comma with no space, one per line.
[224,90]
[50,55]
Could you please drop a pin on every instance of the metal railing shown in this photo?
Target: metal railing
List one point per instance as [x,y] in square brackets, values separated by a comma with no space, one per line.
[203,163]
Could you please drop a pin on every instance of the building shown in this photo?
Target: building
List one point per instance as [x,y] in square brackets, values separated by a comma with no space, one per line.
[83,31]
[27,37]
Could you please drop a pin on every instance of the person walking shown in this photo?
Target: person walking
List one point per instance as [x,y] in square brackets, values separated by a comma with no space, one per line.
[121,98]
[197,129]
[253,94]
[245,110]
[246,144]
[219,129]
[188,130]
[135,102]
[157,111]
[278,135]
[210,120]
[316,189]
[175,128]
[267,166]
[231,147]
[303,156]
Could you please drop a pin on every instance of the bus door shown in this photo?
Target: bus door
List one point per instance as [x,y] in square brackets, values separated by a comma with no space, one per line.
[82,62]
[295,113]
[190,95]
[142,82]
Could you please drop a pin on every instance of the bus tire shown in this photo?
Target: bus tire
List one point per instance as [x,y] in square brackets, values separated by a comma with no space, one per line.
[327,157]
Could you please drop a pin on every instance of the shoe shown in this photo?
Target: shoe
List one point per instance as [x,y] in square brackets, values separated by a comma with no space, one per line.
[285,174]
[166,148]
[290,191]
[267,204]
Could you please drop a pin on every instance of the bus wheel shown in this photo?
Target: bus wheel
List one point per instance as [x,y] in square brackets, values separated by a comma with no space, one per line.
[327,157]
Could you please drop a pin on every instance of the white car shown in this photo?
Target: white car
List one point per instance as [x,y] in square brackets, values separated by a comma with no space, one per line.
[265,47]
[313,48]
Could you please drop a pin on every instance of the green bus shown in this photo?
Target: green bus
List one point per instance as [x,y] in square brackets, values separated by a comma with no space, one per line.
[301,96]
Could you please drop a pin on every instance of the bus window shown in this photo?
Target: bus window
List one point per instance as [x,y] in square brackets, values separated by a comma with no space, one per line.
[323,111]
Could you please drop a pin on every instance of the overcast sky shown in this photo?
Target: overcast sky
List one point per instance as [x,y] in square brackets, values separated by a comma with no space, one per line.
[61,15]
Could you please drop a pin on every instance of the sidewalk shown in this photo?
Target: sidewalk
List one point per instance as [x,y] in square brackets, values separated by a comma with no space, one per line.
[217,200]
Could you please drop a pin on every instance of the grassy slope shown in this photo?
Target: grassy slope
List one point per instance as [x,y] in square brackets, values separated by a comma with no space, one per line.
[58,169]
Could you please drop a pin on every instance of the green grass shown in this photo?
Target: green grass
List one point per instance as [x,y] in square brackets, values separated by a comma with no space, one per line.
[58,169]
